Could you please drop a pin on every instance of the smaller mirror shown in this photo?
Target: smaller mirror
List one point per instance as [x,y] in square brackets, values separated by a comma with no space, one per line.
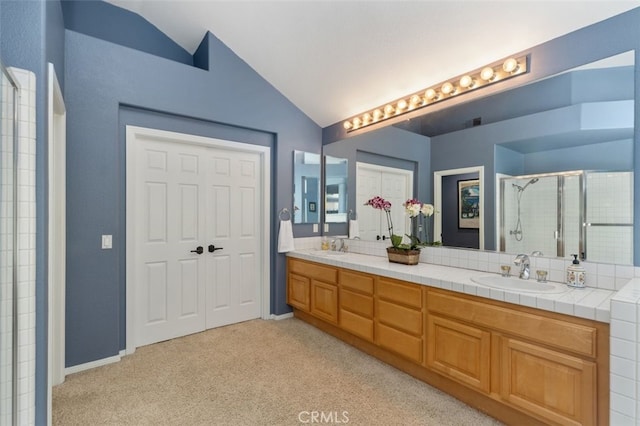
[306,187]
[335,189]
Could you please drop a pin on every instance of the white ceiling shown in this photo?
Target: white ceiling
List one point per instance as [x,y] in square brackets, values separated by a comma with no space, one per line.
[335,59]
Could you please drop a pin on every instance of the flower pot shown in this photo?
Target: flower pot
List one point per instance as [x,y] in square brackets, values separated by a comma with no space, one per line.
[404,256]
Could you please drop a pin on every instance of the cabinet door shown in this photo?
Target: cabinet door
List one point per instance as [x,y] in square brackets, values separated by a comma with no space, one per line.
[298,292]
[324,301]
[459,351]
[552,385]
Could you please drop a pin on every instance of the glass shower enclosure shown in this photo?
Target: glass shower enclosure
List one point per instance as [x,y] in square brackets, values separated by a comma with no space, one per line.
[8,243]
[589,213]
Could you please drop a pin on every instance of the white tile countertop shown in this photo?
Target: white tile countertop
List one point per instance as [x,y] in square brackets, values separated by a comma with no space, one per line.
[591,303]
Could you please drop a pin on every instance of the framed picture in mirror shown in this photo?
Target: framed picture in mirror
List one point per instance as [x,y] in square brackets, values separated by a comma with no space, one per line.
[468,204]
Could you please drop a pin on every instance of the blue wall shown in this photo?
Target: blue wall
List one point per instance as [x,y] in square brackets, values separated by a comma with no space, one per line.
[32,34]
[102,20]
[101,78]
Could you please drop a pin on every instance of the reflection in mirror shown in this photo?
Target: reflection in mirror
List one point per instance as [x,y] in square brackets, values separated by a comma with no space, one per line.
[335,189]
[306,187]
[581,119]
[561,214]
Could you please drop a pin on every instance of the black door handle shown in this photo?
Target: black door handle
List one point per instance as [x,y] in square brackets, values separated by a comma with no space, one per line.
[198,250]
[213,248]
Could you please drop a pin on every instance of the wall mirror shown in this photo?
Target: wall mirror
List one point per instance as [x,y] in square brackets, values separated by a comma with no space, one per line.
[306,187]
[335,189]
[580,119]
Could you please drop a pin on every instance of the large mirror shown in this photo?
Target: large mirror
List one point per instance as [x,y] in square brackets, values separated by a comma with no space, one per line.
[579,120]
[306,187]
[335,189]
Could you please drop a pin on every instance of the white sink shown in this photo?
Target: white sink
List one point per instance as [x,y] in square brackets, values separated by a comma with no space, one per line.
[519,285]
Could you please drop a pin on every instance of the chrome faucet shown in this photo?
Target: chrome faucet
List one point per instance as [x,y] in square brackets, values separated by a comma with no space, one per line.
[522,260]
[337,247]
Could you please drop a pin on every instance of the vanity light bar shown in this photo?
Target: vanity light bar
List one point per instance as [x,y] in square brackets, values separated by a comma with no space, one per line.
[482,77]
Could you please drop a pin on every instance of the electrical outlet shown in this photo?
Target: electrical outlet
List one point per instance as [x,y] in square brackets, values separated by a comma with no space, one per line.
[107,242]
[315,227]
[326,227]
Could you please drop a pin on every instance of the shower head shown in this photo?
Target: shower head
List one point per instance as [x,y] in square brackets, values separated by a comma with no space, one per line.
[522,188]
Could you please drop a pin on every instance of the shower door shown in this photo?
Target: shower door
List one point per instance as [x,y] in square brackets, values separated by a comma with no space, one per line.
[8,300]
[542,214]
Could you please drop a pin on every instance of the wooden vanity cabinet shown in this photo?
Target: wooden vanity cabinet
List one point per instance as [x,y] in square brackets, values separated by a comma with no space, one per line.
[399,318]
[356,303]
[519,364]
[460,351]
[539,363]
[313,288]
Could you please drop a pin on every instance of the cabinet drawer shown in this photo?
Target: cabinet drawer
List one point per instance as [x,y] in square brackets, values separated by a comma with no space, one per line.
[356,281]
[400,292]
[401,343]
[314,270]
[578,338]
[356,303]
[405,319]
[355,324]
[298,292]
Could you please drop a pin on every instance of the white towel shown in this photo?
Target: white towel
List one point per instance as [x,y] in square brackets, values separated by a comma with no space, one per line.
[285,237]
[354,229]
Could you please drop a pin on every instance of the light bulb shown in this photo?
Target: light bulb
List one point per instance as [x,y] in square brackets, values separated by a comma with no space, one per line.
[510,65]
[466,82]
[388,109]
[447,88]
[430,94]
[487,74]
[366,118]
[377,115]
[415,101]
[347,125]
[357,122]
[402,104]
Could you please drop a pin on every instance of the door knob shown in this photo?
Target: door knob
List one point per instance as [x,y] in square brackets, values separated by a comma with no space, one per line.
[213,248]
[198,250]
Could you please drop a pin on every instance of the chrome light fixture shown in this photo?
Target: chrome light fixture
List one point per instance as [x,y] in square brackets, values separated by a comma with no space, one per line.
[485,76]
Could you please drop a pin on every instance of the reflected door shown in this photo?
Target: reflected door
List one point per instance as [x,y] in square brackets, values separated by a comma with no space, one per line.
[395,186]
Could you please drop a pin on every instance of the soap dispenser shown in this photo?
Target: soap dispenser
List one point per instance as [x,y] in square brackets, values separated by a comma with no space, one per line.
[575,273]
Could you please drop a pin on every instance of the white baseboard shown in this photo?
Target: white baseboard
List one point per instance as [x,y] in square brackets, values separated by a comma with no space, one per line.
[93,364]
[281,317]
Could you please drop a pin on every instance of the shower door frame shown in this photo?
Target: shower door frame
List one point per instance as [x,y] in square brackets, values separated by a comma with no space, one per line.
[560,225]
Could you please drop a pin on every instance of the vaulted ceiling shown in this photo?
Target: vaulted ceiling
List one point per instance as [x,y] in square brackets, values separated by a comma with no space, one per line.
[335,59]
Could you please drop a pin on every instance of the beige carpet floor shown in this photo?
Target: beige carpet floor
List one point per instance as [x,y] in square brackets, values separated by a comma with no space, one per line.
[254,373]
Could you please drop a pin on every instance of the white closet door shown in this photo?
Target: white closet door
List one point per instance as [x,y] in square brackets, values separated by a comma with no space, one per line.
[190,198]
[169,277]
[233,200]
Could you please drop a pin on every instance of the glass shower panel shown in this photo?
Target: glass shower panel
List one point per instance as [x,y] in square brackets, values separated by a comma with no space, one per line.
[8,336]
[610,217]
[530,215]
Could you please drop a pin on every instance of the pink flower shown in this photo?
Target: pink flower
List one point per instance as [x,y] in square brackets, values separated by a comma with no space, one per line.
[379,203]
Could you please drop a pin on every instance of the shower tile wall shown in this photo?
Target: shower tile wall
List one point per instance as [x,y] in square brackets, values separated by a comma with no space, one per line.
[6,252]
[26,233]
[609,201]
[538,215]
